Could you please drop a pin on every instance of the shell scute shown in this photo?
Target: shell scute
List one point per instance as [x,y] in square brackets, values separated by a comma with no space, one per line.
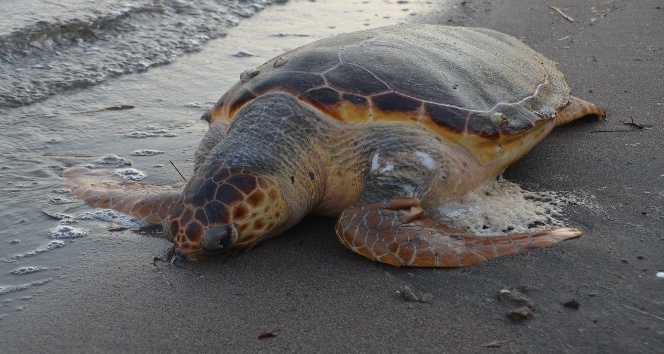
[355,100]
[293,83]
[355,79]
[448,117]
[323,96]
[516,119]
[485,125]
[395,102]
[313,60]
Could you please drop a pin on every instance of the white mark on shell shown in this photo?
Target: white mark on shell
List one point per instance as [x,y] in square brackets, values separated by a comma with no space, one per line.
[381,166]
[387,168]
[427,160]
[374,163]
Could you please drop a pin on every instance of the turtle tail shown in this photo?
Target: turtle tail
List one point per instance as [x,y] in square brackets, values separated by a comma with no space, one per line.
[578,108]
[146,202]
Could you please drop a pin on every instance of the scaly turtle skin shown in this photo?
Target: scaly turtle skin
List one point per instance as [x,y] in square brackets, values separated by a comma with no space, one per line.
[380,127]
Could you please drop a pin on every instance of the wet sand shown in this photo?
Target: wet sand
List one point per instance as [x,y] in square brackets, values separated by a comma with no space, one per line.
[304,292]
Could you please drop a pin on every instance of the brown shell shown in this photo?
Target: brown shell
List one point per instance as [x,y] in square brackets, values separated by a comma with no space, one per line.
[476,87]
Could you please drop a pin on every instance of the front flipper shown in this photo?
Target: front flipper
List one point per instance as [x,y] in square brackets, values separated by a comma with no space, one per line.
[396,231]
[140,200]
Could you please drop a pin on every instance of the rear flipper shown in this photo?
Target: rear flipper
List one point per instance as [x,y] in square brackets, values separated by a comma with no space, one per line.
[396,231]
[146,202]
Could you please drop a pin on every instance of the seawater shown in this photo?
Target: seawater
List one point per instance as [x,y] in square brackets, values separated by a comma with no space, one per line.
[118,85]
[47,47]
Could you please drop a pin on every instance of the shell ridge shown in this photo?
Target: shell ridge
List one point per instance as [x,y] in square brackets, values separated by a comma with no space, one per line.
[375,76]
[492,109]
[295,72]
[440,104]
[523,101]
[341,62]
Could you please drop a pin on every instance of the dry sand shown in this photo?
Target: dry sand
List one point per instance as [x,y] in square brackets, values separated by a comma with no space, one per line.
[303,292]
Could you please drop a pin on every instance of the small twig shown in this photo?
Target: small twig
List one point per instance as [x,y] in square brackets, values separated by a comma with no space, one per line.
[172,258]
[269,334]
[177,170]
[496,343]
[121,107]
[561,13]
[187,269]
[634,124]
[613,131]
[630,123]
[643,312]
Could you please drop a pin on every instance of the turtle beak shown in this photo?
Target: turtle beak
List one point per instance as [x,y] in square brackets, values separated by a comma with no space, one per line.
[219,238]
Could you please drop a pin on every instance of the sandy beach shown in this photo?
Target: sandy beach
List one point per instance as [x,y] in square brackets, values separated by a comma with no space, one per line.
[304,292]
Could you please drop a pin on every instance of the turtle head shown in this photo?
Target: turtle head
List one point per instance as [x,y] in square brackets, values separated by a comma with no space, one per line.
[223,210]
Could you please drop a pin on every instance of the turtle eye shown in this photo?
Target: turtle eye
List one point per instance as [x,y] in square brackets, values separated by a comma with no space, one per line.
[220,237]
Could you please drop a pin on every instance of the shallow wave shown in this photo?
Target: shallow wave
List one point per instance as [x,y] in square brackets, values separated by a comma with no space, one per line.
[79,46]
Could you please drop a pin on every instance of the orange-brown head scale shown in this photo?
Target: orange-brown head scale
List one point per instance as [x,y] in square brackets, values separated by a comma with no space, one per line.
[224,209]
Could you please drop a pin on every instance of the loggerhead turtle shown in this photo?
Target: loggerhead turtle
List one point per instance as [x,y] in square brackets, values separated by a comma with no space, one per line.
[380,127]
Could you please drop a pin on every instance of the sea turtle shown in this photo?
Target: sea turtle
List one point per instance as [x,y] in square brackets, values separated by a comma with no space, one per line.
[379,127]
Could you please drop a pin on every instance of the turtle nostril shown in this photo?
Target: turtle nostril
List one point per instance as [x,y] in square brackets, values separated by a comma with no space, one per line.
[220,237]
